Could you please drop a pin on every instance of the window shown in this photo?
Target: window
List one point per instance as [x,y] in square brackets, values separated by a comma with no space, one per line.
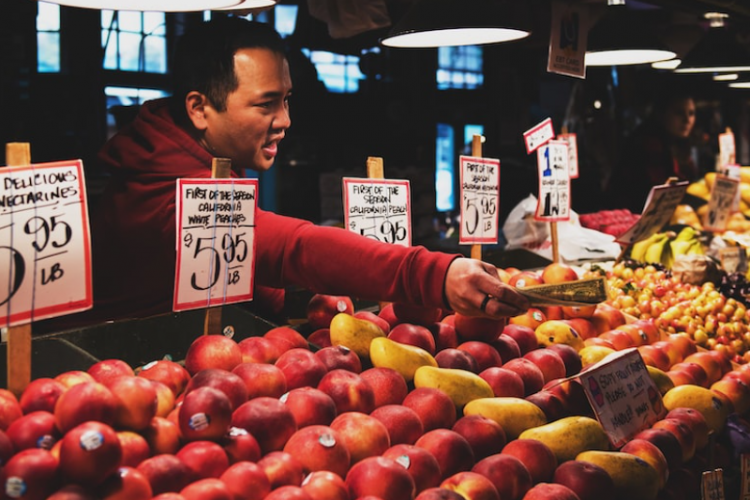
[134,41]
[460,67]
[123,102]
[285,19]
[340,73]
[48,38]
[445,198]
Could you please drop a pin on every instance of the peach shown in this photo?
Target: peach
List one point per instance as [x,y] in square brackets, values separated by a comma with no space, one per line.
[165,472]
[523,335]
[136,402]
[549,362]
[416,314]
[471,486]
[587,480]
[126,482]
[321,337]
[334,357]
[558,272]
[696,421]
[439,493]
[240,446]
[570,312]
[228,382]
[89,453]
[282,469]
[435,408]
[374,318]
[41,394]
[682,432]
[445,334]
[269,420]
[478,327]
[380,477]
[246,481]
[84,402]
[456,358]
[553,407]
[73,377]
[525,278]
[310,406]
[736,391]
[206,413]
[162,435]
[206,489]
[319,447]
[667,443]
[36,474]
[135,448]
[504,382]
[388,386]
[212,351]
[168,372]
[711,366]
[261,379]
[585,328]
[403,424]
[571,358]
[33,430]
[452,451]
[530,373]
[259,350]
[415,335]
[653,356]
[485,435]
[484,354]
[651,454]
[322,308]
[301,367]
[532,318]
[507,347]
[509,475]
[349,391]
[106,370]
[536,456]
[363,435]
[205,459]
[325,485]
[420,463]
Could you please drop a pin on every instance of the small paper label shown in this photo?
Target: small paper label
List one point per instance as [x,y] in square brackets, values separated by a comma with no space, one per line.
[199,421]
[15,487]
[539,135]
[91,440]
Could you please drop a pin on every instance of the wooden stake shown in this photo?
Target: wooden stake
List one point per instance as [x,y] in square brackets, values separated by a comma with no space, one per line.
[221,168]
[375,171]
[19,337]
[553,238]
[476,150]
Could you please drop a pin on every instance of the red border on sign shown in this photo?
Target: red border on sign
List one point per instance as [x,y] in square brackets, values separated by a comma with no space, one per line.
[545,123]
[462,240]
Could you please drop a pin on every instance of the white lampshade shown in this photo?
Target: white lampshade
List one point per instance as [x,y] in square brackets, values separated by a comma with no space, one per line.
[150,5]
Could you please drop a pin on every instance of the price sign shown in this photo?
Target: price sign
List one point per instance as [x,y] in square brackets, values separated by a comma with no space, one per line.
[45,249]
[727,152]
[733,259]
[733,171]
[572,141]
[554,182]
[538,135]
[712,485]
[379,209]
[567,44]
[660,205]
[215,242]
[622,395]
[480,199]
[720,203]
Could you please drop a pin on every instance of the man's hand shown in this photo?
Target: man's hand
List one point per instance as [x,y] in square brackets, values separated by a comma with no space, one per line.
[473,288]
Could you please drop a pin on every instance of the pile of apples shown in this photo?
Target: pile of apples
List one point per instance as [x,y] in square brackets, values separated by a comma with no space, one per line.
[447,417]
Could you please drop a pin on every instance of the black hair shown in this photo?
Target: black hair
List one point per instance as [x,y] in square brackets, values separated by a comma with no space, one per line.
[204,58]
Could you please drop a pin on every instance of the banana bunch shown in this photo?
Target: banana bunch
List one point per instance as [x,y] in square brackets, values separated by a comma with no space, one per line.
[664,247]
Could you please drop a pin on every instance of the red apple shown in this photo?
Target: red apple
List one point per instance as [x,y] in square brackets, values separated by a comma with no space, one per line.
[374,318]
[319,447]
[485,355]
[471,485]
[524,337]
[89,453]
[259,350]
[162,435]
[83,402]
[106,370]
[322,308]
[348,390]
[386,313]
[504,382]
[325,485]
[310,406]
[231,384]
[445,335]
[485,435]
[420,463]
[530,373]
[165,399]
[388,386]
[587,480]
[525,278]
[416,314]
[456,358]
[321,337]
[10,410]
[205,414]
[6,448]
[288,493]
[165,473]
[509,475]
[478,327]
[439,493]
[301,367]
[204,459]
[549,362]
[127,483]
[246,481]
[136,402]
[33,430]
[135,448]
[206,489]
[558,272]
[435,408]
[536,456]
[403,424]
[364,435]
[240,446]
[381,477]
[73,377]
[452,451]
[41,395]
[413,334]
[339,357]
[261,379]
[72,492]
[212,351]
[282,469]
[295,338]
[168,372]
[30,473]
[507,347]
[550,491]
[269,420]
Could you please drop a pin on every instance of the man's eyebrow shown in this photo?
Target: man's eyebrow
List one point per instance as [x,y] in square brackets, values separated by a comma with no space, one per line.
[273,94]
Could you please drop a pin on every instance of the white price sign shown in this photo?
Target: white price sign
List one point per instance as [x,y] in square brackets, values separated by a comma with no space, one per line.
[379,209]
[45,252]
[538,135]
[215,242]
[480,200]
[727,150]
[660,205]
[720,203]
[554,182]
[572,141]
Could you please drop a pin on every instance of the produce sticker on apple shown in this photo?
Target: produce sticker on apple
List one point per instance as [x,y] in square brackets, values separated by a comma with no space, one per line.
[622,394]
[378,208]
[215,242]
[660,205]
[553,202]
[480,199]
[46,245]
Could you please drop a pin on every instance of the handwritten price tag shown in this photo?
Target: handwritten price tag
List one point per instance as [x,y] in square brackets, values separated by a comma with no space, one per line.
[727,150]
[554,182]
[660,205]
[720,203]
[480,199]
[379,209]
[215,242]
[622,395]
[572,141]
[538,135]
[45,254]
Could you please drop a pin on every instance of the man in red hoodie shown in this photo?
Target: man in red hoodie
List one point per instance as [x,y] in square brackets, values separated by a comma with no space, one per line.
[231,100]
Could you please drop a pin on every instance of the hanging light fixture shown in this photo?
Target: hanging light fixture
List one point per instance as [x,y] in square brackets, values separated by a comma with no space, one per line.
[250,4]
[155,5]
[717,52]
[443,23]
[668,64]
[619,39]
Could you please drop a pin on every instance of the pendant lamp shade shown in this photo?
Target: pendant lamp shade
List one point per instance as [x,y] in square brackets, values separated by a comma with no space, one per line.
[619,38]
[250,4]
[160,5]
[443,23]
[717,52]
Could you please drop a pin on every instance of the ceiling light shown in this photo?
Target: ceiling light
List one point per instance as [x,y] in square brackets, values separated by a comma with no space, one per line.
[148,5]
[717,52]
[726,77]
[250,4]
[443,23]
[668,64]
[740,85]
[619,39]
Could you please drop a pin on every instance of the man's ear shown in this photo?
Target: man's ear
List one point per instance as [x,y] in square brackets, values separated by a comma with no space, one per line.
[195,106]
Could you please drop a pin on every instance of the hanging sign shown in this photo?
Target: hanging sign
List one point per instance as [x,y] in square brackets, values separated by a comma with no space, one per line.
[622,394]
[568,38]
[553,203]
[572,153]
[538,135]
[215,242]
[45,249]
[659,208]
[720,203]
[480,199]
[378,208]
[727,151]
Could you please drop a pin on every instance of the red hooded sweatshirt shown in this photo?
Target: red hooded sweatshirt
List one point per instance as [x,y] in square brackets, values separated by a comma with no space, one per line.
[133,236]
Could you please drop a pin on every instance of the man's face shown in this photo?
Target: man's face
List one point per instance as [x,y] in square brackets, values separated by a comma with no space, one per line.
[257,113]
